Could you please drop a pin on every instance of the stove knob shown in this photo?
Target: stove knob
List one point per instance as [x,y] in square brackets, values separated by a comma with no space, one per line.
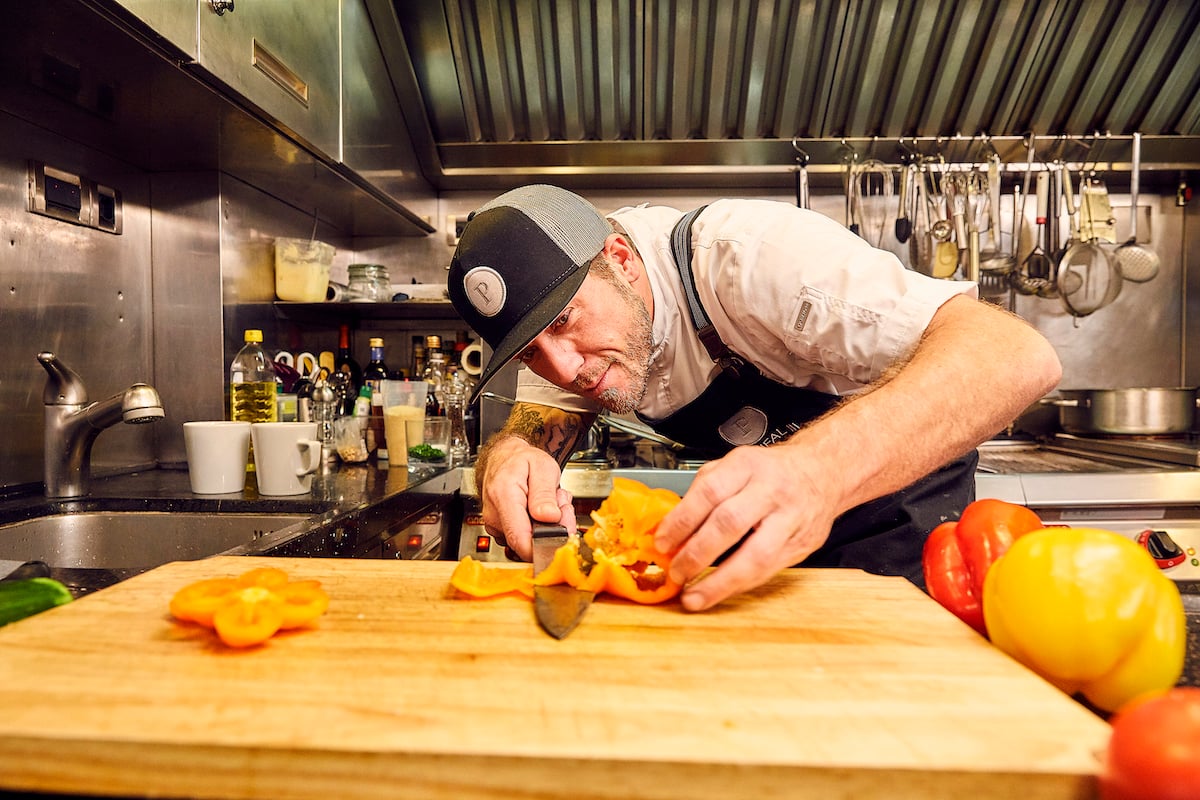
[1162,548]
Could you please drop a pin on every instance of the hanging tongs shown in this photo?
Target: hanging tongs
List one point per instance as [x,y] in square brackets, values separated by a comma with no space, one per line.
[802,196]
[874,187]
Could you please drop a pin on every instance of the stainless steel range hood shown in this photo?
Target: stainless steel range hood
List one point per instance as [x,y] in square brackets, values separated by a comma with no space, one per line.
[672,92]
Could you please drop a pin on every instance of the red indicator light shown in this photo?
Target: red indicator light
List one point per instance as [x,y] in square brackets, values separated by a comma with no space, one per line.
[414,540]
[483,544]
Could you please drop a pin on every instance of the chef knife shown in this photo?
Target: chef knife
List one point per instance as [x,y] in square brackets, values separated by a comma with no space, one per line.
[559,608]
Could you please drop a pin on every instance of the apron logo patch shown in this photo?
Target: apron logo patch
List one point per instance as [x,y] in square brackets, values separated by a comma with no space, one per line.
[746,426]
[802,318]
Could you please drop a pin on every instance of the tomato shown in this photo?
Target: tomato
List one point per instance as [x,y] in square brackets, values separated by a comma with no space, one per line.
[947,579]
[957,555]
[987,529]
[1154,751]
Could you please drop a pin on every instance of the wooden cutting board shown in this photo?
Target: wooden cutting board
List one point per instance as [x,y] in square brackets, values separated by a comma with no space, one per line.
[823,683]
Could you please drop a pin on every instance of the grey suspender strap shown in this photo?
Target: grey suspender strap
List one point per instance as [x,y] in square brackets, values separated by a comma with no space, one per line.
[681,250]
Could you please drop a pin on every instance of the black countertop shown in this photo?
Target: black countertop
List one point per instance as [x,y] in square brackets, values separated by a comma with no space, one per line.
[351,511]
[335,487]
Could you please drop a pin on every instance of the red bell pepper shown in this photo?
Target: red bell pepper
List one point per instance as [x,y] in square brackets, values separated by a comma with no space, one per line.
[957,555]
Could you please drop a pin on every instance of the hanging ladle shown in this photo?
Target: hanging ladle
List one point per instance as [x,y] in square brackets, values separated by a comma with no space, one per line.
[1138,263]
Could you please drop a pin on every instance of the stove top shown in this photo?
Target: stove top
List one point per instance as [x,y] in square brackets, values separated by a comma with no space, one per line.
[1182,450]
[1068,454]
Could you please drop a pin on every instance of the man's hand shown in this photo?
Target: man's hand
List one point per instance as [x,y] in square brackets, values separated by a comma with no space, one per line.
[518,471]
[940,403]
[764,492]
[522,483]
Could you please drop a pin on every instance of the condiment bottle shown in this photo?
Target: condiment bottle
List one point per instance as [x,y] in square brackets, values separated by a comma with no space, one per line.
[435,376]
[374,375]
[252,391]
[344,362]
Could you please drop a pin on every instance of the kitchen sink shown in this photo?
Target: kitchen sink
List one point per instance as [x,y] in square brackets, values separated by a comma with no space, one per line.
[132,540]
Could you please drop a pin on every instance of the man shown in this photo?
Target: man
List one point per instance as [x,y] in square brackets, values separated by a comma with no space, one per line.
[844,394]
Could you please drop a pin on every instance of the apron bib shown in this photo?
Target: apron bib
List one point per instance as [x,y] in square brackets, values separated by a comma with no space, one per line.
[742,407]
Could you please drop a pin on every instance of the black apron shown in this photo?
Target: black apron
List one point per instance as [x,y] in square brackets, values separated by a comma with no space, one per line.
[741,406]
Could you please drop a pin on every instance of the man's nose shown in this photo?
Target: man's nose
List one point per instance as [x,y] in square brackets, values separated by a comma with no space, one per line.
[562,362]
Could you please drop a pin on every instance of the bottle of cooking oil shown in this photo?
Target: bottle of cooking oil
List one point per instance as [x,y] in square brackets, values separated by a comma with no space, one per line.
[252,385]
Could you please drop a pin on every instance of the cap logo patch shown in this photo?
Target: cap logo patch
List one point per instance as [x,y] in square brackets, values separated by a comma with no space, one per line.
[486,290]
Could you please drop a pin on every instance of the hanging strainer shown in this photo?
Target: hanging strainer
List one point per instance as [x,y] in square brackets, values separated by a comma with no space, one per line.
[1088,278]
[1138,262]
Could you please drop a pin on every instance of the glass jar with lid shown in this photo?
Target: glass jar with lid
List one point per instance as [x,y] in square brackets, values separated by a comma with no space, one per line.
[368,283]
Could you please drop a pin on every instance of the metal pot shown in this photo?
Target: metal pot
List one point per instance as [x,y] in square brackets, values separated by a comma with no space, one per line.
[1139,412]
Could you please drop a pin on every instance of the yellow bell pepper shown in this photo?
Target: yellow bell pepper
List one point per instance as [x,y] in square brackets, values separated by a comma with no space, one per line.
[1089,611]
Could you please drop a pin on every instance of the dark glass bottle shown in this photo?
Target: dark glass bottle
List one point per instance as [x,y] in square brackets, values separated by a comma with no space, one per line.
[344,362]
[374,374]
[376,370]
[435,375]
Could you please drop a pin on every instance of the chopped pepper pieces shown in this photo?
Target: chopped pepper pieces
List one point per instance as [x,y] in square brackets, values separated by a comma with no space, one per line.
[479,580]
[249,609]
[623,560]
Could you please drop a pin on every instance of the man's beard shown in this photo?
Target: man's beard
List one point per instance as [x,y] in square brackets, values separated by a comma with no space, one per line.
[636,360]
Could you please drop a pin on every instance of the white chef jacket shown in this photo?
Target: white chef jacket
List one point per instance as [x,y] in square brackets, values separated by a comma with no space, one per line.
[790,290]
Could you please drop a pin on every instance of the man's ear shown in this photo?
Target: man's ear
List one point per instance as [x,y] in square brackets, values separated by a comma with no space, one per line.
[622,256]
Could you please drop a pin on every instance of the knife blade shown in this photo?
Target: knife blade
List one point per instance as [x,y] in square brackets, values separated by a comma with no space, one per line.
[559,608]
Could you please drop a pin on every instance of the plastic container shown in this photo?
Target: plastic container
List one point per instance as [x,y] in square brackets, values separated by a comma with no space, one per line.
[302,269]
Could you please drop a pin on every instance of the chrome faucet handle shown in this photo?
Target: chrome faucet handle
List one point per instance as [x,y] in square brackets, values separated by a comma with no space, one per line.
[63,387]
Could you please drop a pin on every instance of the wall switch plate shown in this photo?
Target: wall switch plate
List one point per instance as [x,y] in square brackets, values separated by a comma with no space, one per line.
[73,198]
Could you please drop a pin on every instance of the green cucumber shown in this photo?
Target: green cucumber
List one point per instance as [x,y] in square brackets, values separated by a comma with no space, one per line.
[24,598]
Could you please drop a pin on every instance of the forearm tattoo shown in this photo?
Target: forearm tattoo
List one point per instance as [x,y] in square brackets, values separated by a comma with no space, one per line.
[554,430]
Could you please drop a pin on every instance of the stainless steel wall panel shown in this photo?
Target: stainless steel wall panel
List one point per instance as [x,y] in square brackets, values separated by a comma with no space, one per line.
[81,293]
[189,363]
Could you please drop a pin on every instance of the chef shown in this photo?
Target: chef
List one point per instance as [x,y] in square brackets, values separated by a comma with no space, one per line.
[839,396]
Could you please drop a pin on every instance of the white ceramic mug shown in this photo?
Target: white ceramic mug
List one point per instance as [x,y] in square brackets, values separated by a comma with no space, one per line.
[216,455]
[286,454]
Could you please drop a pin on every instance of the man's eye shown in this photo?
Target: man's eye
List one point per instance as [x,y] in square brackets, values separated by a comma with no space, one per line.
[563,319]
[526,356]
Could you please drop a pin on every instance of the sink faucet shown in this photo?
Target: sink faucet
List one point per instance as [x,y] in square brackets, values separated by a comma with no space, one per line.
[72,424]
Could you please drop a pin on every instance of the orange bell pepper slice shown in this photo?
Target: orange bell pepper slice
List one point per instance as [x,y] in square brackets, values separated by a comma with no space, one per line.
[479,580]
[197,602]
[641,581]
[251,608]
[303,603]
[267,577]
[567,567]
[249,616]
